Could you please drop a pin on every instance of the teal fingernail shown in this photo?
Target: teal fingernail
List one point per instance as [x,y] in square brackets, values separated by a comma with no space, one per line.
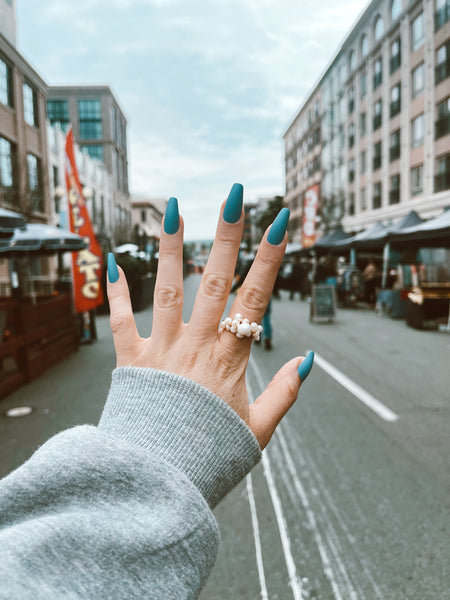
[233,206]
[278,228]
[306,366]
[172,217]
[113,271]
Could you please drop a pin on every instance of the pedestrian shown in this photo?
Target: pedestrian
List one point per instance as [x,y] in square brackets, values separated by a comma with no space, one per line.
[124,510]
[297,279]
[370,275]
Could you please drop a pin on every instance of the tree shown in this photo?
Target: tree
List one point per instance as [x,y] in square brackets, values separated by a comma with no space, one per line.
[266,218]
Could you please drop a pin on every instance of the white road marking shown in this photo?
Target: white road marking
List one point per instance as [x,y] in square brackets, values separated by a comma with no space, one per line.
[370,401]
[259,560]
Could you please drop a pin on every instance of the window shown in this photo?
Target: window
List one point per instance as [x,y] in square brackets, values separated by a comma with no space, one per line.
[378,73]
[90,115]
[351,100]
[351,170]
[417,32]
[396,9]
[351,135]
[417,180]
[379,28]
[30,105]
[396,55]
[363,161]
[377,114]
[94,151]
[7,170]
[143,216]
[58,112]
[394,192]
[364,46]
[442,14]
[6,96]
[442,179]
[351,204]
[376,195]
[443,118]
[34,183]
[362,124]
[442,69]
[418,80]
[363,85]
[363,198]
[396,100]
[377,156]
[394,150]
[417,131]
[317,136]
[351,61]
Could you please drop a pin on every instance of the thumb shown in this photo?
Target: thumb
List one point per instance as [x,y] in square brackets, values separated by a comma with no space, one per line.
[278,397]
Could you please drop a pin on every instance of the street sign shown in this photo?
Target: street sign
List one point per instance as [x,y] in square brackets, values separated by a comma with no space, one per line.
[323,302]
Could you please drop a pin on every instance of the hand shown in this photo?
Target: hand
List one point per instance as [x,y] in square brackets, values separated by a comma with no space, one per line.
[196,350]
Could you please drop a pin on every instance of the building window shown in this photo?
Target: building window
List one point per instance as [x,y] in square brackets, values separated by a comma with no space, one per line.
[442,14]
[376,195]
[378,73]
[377,114]
[363,199]
[94,151]
[417,131]
[351,100]
[417,180]
[35,183]
[417,32]
[442,69]
[90,116]
[6,95]
[394,149]
[30,105]
[362,124]
[377,156]
[442,179]
[443,118]
[363,85]
[351,61]
[317,136]
[351,170]
[396,55]
[394,192]
[58,112]
[364,46]
[143,216]
[363,161]
[396,9]
[396,100]
[379,28]
[418,80]
[351,135]
[316,115]
[7,170]
[351,204]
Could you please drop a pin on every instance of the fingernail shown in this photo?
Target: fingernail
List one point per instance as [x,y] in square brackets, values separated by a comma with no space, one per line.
[113,271]
[278,228]
[172,217]
[233,206]
[306,366]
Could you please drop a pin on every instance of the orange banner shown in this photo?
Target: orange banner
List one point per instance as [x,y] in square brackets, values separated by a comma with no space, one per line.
[86,264]
[310,206]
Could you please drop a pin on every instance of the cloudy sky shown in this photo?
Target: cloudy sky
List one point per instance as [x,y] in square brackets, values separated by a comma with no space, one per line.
[208,86]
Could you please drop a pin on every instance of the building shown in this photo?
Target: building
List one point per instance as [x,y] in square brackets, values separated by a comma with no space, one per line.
[374,133]
[146,218]
[100,128]
[8,21]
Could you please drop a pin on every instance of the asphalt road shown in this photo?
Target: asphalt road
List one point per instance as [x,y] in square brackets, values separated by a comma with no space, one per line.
[346,504]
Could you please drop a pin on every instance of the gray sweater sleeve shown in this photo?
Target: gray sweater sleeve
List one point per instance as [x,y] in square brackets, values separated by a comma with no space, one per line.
[123,510]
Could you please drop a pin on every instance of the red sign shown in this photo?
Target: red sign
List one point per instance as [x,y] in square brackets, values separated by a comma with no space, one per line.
[86,264]
[310,205]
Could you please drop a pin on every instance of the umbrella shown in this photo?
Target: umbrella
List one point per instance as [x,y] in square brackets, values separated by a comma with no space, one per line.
[9,221]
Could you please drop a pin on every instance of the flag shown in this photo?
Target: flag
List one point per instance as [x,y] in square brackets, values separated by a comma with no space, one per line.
[86,264]
[310,205]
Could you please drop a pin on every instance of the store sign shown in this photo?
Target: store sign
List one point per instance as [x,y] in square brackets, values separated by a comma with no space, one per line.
[310,205]
[87,264]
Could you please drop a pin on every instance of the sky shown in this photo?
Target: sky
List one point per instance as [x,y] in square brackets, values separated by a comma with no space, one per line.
[208,86]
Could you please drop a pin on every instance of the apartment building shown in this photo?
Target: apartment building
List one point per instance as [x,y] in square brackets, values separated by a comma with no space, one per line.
[381,111]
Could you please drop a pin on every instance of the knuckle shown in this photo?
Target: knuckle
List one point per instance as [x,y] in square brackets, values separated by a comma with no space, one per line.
[215,285]
[253,299]
[119,322]
[168,297]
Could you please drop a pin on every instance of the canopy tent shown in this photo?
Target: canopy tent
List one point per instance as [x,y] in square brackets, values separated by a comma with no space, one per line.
[363,236]
[9,222]
[41,239]
[329,240]
[377,238]
[435,232]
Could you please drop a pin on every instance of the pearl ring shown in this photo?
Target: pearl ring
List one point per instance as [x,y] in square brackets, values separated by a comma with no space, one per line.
[241,327]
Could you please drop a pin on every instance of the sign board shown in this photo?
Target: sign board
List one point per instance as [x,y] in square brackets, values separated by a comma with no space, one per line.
[310,206]
[323,302]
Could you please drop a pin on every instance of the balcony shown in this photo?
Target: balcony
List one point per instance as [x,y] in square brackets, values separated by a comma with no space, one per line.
[395,107]
[442,126]
[394,196]
[442,70]
[376,162]
[442,181]
[394,152]
[441,17]
[395,62]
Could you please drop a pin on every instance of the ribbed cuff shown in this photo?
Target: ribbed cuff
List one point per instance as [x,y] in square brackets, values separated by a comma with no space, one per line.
[184,424]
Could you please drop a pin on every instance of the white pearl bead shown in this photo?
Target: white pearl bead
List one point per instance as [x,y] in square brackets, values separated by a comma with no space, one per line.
[245,321]
[254,327]
[233,329]
[238,335]
[260,328]
[244,329]
[228,321]
[238,317]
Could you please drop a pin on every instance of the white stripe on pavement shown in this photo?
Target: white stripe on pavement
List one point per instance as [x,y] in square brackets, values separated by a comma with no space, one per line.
[370,401]
[259,560]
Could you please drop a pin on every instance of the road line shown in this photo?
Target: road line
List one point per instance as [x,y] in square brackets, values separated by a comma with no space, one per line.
[256,536]
[294,580]
[370,401]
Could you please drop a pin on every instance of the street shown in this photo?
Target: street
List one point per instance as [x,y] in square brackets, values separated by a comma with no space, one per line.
[351,499]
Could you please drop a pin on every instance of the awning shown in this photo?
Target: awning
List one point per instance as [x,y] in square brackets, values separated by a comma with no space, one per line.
[435,232]
[41,239]
[9,221]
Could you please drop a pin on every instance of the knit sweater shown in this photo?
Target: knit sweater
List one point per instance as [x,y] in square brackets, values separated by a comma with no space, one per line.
[123,510]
